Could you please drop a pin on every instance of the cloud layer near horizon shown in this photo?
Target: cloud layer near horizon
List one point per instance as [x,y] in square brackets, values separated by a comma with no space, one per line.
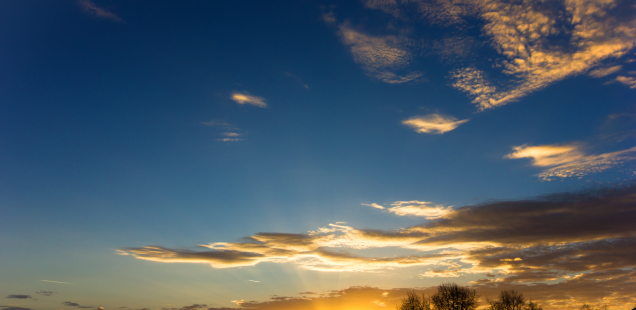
[551,240]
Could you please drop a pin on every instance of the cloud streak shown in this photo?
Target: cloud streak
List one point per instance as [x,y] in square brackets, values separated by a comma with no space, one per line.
[91,8]
[246,98]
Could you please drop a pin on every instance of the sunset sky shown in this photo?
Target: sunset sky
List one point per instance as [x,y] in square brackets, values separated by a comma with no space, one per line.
[309,154]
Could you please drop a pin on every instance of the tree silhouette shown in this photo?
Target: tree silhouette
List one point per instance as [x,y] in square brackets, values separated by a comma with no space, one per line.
[414,302]
[451,296]
[508,300]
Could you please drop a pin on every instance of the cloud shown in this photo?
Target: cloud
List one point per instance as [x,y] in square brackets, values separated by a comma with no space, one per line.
[373,205]
[56,282]
[229,140]
[246,98]
[231,134]
[14,308]
[218,122]
[424,209]
[569,160]
[380,57]
[533,240]
[627,80]
[73,304]
[91,8]
[605,71]
[19,296]
[45,293]
[433,123]
[536,43]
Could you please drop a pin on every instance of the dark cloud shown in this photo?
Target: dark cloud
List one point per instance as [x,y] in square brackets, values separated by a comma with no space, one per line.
[45,293]
[19,296]
[14,308]
[73,304]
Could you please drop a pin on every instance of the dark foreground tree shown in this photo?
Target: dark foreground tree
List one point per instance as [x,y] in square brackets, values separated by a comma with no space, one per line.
[533,306]
[451,296]
[508,300]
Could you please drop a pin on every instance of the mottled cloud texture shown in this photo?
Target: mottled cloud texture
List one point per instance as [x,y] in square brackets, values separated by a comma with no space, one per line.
[535,43]
[433,123]
[554,246]
[570,160]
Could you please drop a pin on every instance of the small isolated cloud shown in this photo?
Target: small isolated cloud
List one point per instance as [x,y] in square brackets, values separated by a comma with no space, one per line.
[229,140]
[603,72]
[254,281]
[380,57]
[91,8]
[246,98]
[231,134]
[569,160]
[373,205]
[425,209]
[433,123]
[45,293]
[19,296]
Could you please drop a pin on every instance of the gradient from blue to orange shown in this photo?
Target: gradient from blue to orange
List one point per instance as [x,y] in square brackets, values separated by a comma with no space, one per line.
[119,129]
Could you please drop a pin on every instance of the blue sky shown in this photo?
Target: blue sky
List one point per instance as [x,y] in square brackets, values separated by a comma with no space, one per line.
[313,146]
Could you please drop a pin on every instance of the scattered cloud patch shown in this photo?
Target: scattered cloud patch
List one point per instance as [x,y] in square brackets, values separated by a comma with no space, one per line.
[231,134]
[570,160]
[380,57]
[91,8]
[433,123]
[56,282]
[229,139]
[373,205]
[246,98]
[45,293]
[74,304]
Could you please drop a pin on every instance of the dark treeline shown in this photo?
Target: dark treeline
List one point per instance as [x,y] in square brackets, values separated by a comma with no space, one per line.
[451,296]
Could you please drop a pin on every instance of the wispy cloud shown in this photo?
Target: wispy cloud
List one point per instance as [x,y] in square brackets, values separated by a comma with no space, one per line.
[230,134]
[380,57]
[627,80]
[373,205]
[570,160]
[605,71]
[73,304]
[56,282]
[45,293]
[424,209]
[433,123]
[246,98]
[91,8]
[229,139]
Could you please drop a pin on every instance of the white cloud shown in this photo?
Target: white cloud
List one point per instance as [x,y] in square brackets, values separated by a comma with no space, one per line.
[569,160]
[433,123]
[373,205]
[246,98]
[231,134]
[229,139]
[424,209]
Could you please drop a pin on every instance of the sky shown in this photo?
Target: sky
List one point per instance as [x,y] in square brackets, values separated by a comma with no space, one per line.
[309,154]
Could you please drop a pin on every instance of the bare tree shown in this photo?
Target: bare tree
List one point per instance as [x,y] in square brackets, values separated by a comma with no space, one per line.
[585,307]
[508,300]
[411,302]
[451,296]
[533,306]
